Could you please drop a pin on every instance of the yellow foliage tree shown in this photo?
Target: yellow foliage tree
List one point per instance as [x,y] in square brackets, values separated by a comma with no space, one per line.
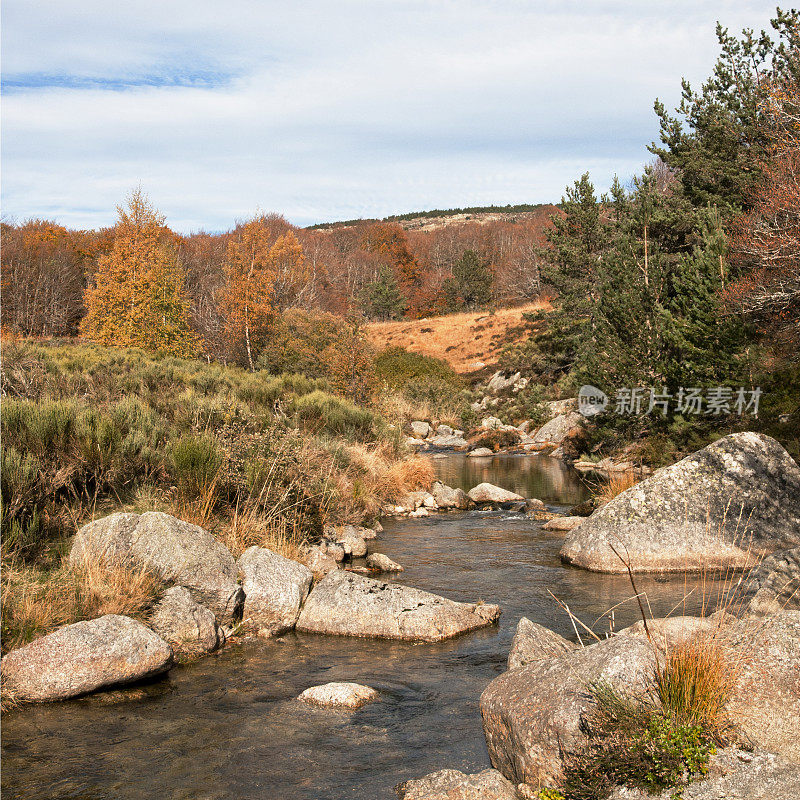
[247,301]
[138,296]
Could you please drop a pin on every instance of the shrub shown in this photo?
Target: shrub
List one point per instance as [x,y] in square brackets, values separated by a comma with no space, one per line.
[324,413]
[616,484]
[397,367]
[196,463]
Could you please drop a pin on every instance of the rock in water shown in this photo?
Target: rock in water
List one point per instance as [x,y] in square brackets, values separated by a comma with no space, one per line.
[344,604]
[179,552]
[533,642]
[562,523]
[450,784]
[383,563]
[84,657]
[741,492]
[447,497]
[532,714]
[274,588]
[183,623]
[480,452]
[339,695]
[489,493]
[555,431]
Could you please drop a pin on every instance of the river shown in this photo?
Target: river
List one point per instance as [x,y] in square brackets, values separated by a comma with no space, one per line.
[229,726]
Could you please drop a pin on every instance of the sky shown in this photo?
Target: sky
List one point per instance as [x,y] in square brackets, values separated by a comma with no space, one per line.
[335,110]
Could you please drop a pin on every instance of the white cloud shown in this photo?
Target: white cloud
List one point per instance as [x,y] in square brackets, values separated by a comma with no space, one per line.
[325,111]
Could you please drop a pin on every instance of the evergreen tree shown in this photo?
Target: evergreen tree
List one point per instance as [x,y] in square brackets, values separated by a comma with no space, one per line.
[382,299]
[471,284]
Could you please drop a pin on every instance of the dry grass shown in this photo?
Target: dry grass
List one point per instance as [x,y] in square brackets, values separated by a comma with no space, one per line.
[695,680]
[406,476]
[617,483]
[460,339]
[263,528]
[36,603]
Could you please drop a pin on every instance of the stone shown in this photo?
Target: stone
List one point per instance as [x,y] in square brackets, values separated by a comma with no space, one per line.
[444,430]
[349,696]
[274,588]
[450,442]
[412,501]
[447,497]
[562,523]
[450,784]
[533,713]
[668,632]
[83,657]
[177,551]
[344,604]
[584,509]
[382,563]
[489,493]
[534,504]
[420,430]
[347,537]
[716,509]
[774,584]
[533,642]
[480,452]
[367,534]
[491,423]
[766,700]
[319,562]
[502,381]
[332,550]
[184,624]
[733,774]
[557,429]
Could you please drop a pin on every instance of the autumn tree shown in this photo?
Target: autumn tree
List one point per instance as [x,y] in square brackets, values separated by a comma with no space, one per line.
[137,297]
[247,302]
[290,272]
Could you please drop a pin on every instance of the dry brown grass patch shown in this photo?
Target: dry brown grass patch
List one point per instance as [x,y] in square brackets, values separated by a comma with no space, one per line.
[616,484]
[412,474]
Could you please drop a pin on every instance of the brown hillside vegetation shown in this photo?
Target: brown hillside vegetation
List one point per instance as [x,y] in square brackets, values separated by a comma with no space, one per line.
[468,341]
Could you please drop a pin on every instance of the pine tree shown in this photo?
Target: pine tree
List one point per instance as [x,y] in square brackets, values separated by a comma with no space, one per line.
[382,299]
[137,298]
[471,284]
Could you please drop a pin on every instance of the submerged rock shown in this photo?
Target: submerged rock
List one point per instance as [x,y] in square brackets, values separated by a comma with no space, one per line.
[84,657]
[344,604]
[489,493]
[183,623]
[450,784]
[713,509]
[274,589]
[178,551]
[382,563]
[533,642]
[532,714]
[339,695]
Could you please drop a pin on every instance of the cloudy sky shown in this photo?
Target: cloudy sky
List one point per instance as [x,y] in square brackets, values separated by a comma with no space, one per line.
[334,110]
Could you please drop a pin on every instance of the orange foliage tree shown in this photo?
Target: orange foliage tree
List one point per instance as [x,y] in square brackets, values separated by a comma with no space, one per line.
[247,300]
[767,239]
[137,298]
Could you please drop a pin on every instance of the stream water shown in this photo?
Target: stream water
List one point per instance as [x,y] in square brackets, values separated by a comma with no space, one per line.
[229,726]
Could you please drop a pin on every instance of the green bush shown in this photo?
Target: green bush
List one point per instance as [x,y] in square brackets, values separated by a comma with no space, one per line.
[196,462]
[324,413]
[397,368]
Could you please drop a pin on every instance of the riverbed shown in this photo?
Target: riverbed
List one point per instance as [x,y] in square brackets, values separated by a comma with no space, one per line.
[229,726]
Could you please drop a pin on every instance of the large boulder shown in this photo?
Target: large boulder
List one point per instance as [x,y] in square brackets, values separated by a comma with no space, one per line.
[533,642]
[345,604]
[451,442]
[447,497]
[489,493]
[766,701]
[84,657]
[733,774]
[274,587]
[420,429]
[480,452]
[345,695]
[501,381]
[185,624]
[532,714]
[712,510]
[450,784]
[178,551]
[351,541]
[557,429]
[774,584]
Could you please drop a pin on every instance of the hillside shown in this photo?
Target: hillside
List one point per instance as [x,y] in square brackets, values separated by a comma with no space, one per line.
[467,341]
